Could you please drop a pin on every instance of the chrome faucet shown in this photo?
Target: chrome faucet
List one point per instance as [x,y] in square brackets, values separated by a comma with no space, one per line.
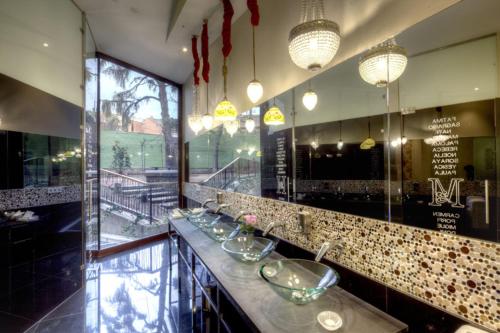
[270,227]
[238,217]
[326,246]
[322,250]
[219,208]
[204,204]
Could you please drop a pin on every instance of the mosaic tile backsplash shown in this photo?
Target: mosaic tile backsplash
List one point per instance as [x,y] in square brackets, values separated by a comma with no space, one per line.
[38,196]
[457,274]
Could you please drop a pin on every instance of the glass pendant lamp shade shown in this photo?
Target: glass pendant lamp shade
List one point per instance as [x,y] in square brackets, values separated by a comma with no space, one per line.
[195,123]
[383,64]
[314,42]
[232,126]
[207,121]
[310,99]
[255,91]
[250,125]
[340,144]
[274,116]
[225,111]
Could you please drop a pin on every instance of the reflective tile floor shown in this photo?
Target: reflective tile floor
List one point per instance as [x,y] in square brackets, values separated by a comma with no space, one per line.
[127,292]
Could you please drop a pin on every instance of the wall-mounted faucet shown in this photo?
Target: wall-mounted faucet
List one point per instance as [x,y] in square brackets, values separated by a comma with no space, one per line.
[204,204]
[219,208]
[326,246]
[270,227]
[240,214]
[322,250]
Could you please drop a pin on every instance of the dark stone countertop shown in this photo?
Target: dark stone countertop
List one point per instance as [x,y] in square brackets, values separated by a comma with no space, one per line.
[266,309]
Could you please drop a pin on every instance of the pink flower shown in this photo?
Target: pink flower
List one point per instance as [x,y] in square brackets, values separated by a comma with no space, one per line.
[251,219]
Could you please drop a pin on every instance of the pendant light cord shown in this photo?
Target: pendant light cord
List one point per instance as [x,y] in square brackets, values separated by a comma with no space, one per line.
[224,74]
[340,131]
[253,51]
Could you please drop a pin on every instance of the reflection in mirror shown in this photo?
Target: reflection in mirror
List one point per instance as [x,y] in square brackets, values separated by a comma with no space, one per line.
[443,133]
[340,143]
[228,161]
[34,160]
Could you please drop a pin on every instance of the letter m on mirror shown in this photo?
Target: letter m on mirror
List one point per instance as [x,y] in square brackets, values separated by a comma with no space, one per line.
[451,195]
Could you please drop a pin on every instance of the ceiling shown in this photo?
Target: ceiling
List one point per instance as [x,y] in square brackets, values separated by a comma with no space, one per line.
[150,34]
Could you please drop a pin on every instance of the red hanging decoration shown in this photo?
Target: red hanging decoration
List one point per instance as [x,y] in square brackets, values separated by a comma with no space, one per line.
[226,28]
[204,52]
[253,8]
[196,58]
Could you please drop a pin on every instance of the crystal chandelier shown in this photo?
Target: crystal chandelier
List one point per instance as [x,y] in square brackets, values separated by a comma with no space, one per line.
[195,123]
[314,42]
[231,127]
[383,64]
[207,121]
[274,116]
[250,125]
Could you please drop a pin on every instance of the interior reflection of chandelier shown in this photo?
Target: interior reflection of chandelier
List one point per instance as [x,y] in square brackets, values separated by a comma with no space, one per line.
[274,116]
[314,144]
[231,127]
[383,64]
[250,125]
[195,123]
[399,141]
[314,42]
[436,139]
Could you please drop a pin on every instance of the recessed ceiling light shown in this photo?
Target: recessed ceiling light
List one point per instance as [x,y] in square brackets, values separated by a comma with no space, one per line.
[45,44]
[476,89]
[184,49]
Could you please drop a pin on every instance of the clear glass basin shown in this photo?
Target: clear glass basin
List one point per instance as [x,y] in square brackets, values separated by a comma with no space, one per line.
[297,280]
[249,248]
[222,231]
[204,220]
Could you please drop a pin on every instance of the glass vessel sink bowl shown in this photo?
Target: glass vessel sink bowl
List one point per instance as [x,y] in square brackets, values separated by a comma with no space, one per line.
[297,280]
[249,248]
[222,231]
[204,220]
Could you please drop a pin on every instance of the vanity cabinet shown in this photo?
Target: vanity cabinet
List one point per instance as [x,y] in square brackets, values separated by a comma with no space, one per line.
[198,303]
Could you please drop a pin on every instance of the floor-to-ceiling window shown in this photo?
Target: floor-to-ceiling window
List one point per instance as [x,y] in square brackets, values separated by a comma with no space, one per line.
[132,152]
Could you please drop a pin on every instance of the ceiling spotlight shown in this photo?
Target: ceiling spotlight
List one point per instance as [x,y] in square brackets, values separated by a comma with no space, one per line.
[45,44]
[184,49]
[383,64]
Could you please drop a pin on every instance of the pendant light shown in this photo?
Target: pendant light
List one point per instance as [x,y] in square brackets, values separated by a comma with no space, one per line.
[274,116]
[225,110]
[232,126]
[250,125]
[383,64]
[314,42]
[310,99]
[194,120]
[207,119]
[369,143]
[340,143]
[254,88]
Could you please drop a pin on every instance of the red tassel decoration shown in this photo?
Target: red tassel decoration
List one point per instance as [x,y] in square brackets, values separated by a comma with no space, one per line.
[253,8]
[196,58]
[226,28]
[204,52]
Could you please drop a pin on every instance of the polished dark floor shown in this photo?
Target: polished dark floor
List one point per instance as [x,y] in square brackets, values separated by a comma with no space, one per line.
[127,292]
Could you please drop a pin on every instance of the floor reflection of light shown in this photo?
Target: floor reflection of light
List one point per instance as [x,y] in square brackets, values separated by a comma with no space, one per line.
[126,295]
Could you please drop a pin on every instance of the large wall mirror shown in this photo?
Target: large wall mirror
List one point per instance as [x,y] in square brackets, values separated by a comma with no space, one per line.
[421,151]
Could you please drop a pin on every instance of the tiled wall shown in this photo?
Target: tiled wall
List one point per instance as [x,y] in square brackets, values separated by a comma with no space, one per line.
[456,274]
[38,196]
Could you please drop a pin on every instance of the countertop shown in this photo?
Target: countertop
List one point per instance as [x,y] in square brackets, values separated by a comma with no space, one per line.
[266,309]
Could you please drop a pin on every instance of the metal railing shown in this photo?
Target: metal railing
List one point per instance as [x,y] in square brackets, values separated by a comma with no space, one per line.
[140,198]
[235,170]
